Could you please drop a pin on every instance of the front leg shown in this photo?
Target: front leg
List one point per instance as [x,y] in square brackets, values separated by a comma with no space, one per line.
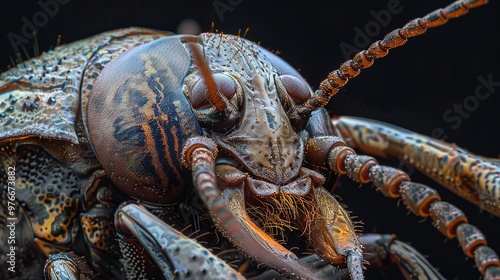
[332,233]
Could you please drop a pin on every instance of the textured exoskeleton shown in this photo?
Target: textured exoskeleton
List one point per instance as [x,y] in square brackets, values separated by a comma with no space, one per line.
[81,146]
[116,148]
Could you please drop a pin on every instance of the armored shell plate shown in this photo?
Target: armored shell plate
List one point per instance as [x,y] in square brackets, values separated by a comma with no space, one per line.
[40,97]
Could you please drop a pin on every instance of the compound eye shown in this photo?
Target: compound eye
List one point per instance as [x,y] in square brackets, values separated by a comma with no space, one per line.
[296,88]
[225,85]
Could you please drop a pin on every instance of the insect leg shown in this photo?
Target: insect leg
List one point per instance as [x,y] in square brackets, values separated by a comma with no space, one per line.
[323,269]
[199,154]
[382,250]
[172,252]
[421,200]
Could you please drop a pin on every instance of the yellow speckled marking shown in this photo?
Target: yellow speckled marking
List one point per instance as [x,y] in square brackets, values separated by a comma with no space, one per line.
[472,177]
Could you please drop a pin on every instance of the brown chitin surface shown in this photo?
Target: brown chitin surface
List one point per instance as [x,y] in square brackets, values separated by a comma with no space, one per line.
[264,141]
[474,178]
[40,97]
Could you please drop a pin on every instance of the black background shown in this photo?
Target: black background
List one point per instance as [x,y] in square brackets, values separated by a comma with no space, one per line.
[411,88]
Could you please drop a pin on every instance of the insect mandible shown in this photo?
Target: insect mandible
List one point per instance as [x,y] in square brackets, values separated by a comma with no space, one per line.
[216,122]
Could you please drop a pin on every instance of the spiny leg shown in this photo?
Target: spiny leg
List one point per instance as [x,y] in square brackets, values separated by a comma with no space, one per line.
[364,59]
[420,199]
[172,253]
[382,250]
[198,155]
[318,215]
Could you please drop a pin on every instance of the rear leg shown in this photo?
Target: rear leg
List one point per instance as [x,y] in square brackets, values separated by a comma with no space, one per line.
[380,250]
[44,202]
[461,172]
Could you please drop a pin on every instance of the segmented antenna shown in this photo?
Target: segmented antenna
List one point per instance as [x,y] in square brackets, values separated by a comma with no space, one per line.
[364,59]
